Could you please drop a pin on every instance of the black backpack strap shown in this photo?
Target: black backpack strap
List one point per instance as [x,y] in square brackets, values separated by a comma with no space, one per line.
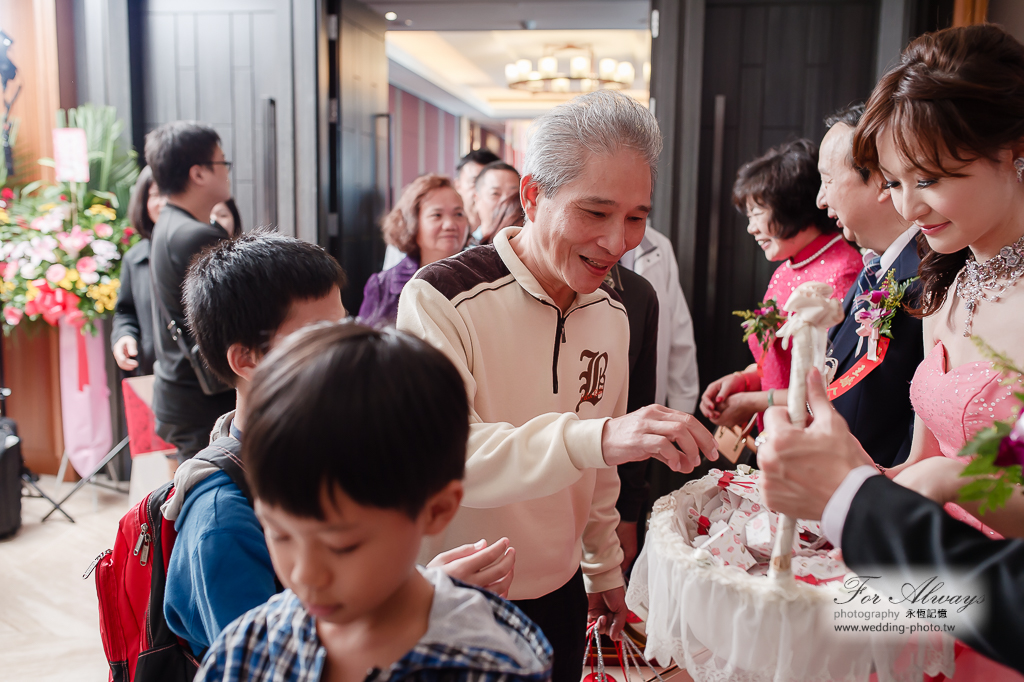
[168,656]
[225,453]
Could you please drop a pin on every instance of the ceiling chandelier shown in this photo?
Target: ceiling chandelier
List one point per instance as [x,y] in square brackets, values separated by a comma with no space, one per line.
[580,76]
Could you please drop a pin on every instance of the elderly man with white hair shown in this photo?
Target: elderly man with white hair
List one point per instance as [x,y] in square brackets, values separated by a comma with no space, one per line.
[542,345]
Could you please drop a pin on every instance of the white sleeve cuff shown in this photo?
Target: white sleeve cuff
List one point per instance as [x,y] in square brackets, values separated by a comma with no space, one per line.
[834,517]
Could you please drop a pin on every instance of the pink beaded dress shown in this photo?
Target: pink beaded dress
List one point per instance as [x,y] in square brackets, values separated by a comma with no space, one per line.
[955,404]
[836,263]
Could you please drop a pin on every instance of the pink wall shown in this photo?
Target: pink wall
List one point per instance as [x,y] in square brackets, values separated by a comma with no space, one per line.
[426,139]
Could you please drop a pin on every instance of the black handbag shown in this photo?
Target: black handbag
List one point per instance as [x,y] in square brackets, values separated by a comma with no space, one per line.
[209,382]
[10,478]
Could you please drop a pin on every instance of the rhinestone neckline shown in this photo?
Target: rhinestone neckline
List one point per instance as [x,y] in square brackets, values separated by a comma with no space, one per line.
[988,281]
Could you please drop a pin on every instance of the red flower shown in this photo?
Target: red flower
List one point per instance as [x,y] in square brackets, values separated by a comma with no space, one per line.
[52,304]
[6,194]
[1011,451]
[63,198]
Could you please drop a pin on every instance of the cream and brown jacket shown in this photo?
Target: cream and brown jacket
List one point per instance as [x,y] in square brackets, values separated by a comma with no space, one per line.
[541,385]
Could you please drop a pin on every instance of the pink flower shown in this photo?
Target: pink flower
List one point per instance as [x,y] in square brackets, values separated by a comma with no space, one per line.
[10,270]
[56,272]
[47,223]
[102,230]
[74,241]
[873,297]
[1018,428]
[41,249]
[6,194]
[868,317]
[86,264]
[12,315]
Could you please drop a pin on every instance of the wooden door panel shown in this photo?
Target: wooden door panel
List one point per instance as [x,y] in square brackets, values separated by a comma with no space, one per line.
[214,61]
[783,67]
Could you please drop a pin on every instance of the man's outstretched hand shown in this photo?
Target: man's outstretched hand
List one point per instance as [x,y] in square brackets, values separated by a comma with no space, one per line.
[674,437]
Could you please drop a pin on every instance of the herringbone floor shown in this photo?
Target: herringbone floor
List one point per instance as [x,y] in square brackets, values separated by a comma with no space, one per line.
[49,627]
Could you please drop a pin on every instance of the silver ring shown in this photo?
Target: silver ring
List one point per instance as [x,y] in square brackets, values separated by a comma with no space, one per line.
[760,440]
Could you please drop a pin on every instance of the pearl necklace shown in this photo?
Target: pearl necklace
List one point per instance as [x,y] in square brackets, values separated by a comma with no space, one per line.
[797,266]
[975,279]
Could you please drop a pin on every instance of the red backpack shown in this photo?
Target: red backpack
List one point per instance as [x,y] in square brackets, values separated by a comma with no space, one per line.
[130,579]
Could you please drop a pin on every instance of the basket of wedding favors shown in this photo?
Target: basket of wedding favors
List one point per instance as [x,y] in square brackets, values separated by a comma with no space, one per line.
[730,590]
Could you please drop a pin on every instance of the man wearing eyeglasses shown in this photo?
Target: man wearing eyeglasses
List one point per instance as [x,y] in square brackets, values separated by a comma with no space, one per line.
[190,169]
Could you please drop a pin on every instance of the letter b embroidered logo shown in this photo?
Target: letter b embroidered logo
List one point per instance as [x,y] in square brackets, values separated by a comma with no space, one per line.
[592,389]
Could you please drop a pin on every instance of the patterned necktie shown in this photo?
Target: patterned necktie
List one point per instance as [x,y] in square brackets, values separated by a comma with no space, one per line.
[868,278]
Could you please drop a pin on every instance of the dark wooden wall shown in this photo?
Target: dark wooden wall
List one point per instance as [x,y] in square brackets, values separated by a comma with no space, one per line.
[358,146]
[782,67]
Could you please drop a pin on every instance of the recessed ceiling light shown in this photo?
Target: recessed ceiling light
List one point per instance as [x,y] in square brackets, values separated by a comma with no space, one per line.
[390,16]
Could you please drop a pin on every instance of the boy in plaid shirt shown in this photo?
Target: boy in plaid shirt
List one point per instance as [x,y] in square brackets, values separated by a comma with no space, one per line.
[355,451]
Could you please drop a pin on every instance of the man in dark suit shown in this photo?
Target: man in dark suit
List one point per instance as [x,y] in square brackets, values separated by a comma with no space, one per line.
[642,307]
[190,169]
[877,407]
[822,472]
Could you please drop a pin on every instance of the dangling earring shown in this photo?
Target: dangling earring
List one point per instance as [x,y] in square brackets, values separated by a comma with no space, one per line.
[1018,163]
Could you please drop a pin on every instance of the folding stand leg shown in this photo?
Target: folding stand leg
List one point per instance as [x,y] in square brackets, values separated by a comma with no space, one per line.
[60,473]
[86,479]
[56,505]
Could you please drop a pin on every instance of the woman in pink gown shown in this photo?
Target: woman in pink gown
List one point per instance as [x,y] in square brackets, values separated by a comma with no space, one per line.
[778,192]
[946,130]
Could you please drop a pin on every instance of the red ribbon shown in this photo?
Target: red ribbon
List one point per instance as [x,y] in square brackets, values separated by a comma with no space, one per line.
[83,356]
[727,480]
[856,374]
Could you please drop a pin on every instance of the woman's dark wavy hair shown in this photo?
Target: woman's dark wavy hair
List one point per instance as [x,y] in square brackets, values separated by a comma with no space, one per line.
[956,96]
[138,214]
[785,180]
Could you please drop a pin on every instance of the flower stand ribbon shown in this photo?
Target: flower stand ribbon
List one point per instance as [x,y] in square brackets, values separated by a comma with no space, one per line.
[84,396]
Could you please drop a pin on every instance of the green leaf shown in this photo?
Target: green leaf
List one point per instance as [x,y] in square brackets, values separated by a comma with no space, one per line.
[977,489]
[983,465]
[31,187]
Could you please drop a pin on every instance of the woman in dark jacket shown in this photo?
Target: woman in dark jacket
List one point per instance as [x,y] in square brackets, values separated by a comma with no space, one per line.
[428,223]
[132,331]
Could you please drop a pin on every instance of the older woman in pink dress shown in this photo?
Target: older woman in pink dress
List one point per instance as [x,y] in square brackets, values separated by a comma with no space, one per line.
[778,193]
[946,130]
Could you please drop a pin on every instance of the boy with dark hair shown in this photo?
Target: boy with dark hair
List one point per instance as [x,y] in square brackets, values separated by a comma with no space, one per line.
[242,297]
[355,452]
[190,170]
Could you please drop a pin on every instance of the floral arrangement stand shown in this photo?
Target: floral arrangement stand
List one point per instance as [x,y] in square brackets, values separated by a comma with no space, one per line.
[60,259]
[719,586]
